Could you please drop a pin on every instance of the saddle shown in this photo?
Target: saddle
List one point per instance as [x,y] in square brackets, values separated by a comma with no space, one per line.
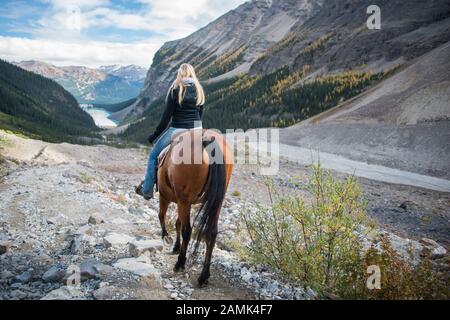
[163,155]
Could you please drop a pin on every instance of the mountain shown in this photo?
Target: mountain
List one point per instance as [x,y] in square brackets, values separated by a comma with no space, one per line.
[277,63]
[107,84]
[35,105]
[404,122]
[131,72]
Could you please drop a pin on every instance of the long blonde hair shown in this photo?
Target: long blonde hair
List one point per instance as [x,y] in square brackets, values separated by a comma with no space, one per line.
[187,71]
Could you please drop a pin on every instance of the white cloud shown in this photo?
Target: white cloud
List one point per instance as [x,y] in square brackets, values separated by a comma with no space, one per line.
[92,54]
[59,37]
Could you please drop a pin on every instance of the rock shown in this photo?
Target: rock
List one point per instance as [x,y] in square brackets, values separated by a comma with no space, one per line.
[310,293]
[246,277]
[18,295]
[272,287]
[104,293]
[56,219]
[436,250]
[16,285]
[169,286]
[95,219]
[137,248]
[104,269]
[75,246]
[25,277]
[54,274]
[4,246]
[404,206]
[116,239]
[140,267]
[174,295]
[82,243]
[86,229]
[88,270]
[63,293]
[408,249]
[120,221]
[6,275]
[91,269]
[136,211]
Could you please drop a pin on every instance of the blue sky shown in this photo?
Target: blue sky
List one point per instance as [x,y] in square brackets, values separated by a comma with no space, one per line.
[99,32]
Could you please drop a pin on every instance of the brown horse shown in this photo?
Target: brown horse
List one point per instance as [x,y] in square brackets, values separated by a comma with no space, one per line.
[204,181]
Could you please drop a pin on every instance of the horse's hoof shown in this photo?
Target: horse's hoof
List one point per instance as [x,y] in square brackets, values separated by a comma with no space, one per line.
[202,282]
[178,268]
[168,241]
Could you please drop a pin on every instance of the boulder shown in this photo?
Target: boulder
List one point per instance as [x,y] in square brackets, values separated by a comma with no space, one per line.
[136,211]
[436,250]
[4,246]
[91,269]
[54,274]
[138,266]
[18,295]
[116,239]
[95,219]
[137,248]
[84,230]
[24,277]
[75,246]
[88,270]
[104,293]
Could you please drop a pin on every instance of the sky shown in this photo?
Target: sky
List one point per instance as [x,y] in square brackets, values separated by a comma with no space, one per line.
[99,32]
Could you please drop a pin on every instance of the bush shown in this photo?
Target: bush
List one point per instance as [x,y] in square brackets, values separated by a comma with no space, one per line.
[401,280]
[319,243]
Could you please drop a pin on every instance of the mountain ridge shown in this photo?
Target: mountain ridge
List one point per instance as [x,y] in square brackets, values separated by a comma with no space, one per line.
[35,105]
[327,36]
[106,84]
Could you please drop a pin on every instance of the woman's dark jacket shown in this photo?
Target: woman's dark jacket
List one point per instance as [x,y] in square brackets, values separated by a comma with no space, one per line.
[184,116]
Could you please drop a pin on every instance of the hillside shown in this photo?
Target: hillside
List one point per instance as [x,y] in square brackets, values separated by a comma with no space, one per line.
[404,122]
[260,38]
[30,103]
[107,84]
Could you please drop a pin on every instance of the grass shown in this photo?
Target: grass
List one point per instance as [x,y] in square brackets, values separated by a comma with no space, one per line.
[85,178]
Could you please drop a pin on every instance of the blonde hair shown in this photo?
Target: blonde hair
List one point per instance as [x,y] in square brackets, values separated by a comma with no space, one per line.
[187,71]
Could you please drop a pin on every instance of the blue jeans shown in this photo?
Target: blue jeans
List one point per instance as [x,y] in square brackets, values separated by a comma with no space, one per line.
[163,141]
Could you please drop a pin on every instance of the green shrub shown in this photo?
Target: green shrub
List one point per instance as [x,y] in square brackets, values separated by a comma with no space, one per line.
[317,242]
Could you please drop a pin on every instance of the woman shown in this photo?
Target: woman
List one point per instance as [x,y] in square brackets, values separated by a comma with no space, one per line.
[184,107]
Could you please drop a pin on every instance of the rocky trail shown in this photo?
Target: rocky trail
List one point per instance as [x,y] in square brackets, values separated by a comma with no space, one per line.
[69,213]
[73,209]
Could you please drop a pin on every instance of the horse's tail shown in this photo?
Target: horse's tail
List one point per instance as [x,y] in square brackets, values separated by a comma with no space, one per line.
[213,194]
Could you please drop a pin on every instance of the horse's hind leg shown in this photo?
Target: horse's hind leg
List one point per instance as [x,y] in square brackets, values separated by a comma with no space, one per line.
[177,246]
[210,243]
[163,206]
[184,212]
